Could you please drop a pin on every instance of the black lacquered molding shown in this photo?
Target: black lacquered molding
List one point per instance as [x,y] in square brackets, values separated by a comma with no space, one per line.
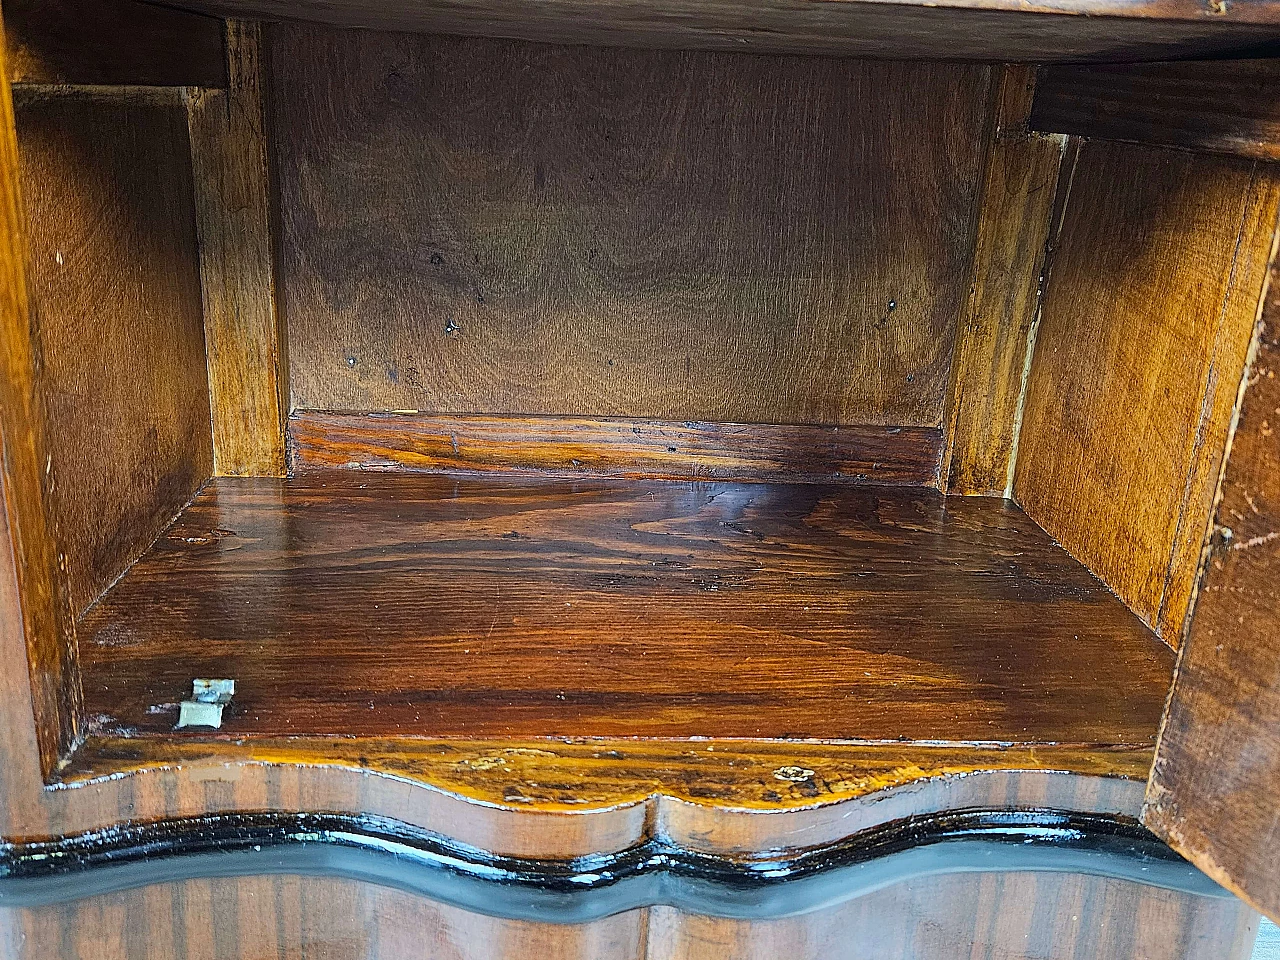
[393,854]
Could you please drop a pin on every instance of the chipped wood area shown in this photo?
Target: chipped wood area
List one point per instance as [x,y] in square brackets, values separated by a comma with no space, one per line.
[1212,794]
[581,446]
[997,326]
[243,335]
[595,774]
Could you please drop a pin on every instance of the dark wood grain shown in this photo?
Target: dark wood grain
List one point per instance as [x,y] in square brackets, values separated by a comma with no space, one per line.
[1213,789]
[1000,915]
[243,336]
[41,624]
[375,604]
[116,291]
[1148,309]
[578,446]
[112,42]
[621,233]
[991,30]
[1224,106]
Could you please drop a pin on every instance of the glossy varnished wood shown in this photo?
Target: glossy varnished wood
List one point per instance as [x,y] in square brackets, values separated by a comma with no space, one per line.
[1213,789]
[992,30]
[1153,289]
[621,233]
[116,290]
[243,336]
[111,42]
[1225,106]
[581,446]
[376,604]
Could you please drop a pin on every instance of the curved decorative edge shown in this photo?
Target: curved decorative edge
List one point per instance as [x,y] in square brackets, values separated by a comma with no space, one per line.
[392,854]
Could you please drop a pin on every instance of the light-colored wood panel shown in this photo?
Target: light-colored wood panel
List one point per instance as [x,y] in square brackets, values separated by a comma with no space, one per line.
[1213,786]
[1151,299]
[996,327]
[117,311]
[622,233]
[48,696]
[243,339]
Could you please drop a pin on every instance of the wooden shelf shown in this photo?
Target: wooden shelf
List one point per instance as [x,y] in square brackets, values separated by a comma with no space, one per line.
[435,606]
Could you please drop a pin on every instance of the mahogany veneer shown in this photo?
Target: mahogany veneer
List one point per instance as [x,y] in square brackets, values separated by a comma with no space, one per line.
[380,605]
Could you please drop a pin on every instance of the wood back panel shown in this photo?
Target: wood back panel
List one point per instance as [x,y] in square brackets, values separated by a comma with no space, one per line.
[480,226]
[116,297]
[1144,330]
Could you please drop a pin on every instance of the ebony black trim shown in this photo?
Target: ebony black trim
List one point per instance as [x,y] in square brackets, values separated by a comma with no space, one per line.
[393,854]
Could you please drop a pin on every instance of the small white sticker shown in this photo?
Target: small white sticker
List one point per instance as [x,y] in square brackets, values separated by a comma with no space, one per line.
[192,713]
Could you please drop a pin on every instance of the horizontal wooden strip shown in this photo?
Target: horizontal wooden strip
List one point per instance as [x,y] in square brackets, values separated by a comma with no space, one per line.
[1220,106]
[112,42]
[616,447]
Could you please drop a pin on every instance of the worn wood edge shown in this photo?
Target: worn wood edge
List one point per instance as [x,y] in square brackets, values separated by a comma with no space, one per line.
[614,447]
[48,621]
[1233,355]
[1053,110]
[996,330]
[244,340]
[582,775]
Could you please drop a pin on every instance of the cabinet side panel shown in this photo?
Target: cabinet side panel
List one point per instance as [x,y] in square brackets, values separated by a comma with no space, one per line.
[1212,792]
[482,226]
[116,296]
[1150,303]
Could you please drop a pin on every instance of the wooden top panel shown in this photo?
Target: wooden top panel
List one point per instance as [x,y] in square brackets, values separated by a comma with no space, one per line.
[996,30]
[481,226]
[426,605]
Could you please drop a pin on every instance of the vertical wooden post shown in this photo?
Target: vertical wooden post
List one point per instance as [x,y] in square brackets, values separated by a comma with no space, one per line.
[47,618]
[998,323]
[243,338]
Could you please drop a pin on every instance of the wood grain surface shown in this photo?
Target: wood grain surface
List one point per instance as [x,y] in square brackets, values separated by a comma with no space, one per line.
[244,340]
[382,604]
[991,30]
[1225,106]
[996,327]
[117,309]
[621,233]
[997,916]
[580,446]
[1212,793]
[42,625]
[119,42]
[1150,302]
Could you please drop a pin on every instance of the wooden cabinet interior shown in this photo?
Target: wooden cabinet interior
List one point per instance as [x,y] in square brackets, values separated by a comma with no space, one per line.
[535,420]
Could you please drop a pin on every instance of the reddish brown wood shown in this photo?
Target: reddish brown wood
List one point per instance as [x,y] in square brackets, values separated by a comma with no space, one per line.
[375,604]
[1224,106]
[1213,789]
[579,446]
